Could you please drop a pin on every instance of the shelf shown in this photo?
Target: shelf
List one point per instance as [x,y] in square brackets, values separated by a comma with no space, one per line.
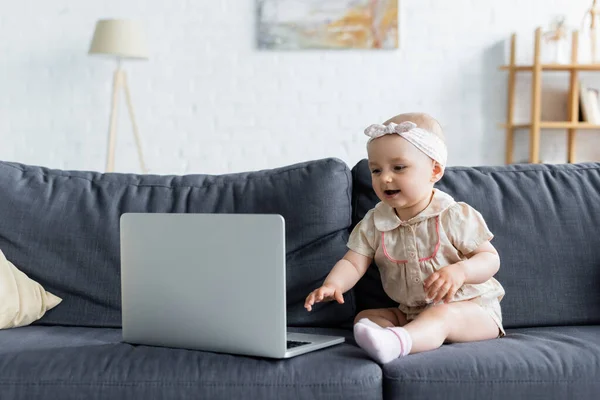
[567,125]
[553,67]
[556,125]
[516,126]
[536,125]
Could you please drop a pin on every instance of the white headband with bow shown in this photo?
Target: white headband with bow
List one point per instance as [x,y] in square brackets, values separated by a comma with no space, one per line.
[428,142]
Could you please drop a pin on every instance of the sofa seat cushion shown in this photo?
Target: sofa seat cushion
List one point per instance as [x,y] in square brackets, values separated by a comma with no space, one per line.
[92,363]
[529,363]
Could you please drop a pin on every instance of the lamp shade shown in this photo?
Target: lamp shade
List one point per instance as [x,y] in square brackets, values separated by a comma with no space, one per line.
[121,38]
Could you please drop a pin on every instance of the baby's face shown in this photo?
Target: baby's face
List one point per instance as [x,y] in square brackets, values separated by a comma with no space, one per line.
[401,174]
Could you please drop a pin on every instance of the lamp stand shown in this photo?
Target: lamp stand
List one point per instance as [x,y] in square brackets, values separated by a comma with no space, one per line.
[120,81]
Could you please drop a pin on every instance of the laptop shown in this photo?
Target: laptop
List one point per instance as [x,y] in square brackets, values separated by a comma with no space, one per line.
[213,282]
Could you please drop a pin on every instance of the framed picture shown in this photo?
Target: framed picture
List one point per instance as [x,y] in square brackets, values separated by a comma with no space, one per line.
[327,24]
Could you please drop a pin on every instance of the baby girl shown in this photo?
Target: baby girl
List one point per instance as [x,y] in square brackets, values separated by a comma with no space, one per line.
[433,253]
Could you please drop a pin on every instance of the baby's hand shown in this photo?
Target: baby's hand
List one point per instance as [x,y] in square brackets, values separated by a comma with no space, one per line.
[444,283]
[324,293]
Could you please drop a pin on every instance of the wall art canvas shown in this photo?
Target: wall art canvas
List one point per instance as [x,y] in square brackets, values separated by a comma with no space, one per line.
[327,24]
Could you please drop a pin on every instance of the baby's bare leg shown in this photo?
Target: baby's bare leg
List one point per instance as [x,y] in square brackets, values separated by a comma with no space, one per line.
[384,317]
[462,321]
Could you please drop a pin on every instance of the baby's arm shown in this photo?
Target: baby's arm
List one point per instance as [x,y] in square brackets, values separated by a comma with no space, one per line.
[344,275]
[480,265]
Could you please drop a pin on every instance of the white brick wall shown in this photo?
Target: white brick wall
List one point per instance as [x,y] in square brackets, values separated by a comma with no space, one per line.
[208,102]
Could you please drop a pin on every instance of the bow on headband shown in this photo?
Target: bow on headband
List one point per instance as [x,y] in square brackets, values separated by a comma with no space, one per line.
[428,142]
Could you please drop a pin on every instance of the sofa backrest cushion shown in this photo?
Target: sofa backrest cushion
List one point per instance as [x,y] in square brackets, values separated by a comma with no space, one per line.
[546,221]
[62,228]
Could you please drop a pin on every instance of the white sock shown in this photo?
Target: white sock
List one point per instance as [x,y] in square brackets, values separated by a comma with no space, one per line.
[404,339]
[368,322]
[382,344]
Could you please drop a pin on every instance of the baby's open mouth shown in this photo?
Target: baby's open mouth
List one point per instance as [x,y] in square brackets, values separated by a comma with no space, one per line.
[391,192]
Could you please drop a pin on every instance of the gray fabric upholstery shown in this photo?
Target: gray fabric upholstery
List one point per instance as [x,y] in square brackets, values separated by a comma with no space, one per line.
[545,219]
[42,362]
[61,228]
[531,363]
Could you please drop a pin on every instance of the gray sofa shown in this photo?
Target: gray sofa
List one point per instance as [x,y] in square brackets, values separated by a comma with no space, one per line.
[61,228]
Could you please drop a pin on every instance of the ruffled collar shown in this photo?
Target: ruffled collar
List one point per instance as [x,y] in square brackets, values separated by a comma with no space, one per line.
[385,217]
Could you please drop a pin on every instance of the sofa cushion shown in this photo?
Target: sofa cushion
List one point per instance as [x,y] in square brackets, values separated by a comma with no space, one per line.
[530,363]
[22,300]
[62,228]
[545,219]
[91,363]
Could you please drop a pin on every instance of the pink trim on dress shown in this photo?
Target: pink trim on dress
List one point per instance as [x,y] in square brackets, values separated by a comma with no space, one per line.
[386,253]
[437,246]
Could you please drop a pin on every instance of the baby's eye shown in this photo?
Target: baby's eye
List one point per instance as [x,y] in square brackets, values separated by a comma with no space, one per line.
[375,171]
[399,167]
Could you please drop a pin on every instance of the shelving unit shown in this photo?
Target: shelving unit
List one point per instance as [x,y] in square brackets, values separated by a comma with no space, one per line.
[536,125]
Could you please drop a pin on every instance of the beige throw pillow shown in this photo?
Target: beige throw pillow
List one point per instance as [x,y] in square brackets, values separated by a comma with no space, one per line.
[22,300]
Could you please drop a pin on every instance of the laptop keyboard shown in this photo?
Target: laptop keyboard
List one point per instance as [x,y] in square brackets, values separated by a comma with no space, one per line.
[292,343]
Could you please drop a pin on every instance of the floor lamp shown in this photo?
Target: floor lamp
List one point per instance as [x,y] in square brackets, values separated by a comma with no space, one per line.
[122,39]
